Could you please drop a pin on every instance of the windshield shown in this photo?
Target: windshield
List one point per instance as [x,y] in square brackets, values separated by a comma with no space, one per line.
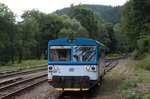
[84,53]
[60,53]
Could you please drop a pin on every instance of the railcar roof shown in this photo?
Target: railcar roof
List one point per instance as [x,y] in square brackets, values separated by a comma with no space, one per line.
[81,41]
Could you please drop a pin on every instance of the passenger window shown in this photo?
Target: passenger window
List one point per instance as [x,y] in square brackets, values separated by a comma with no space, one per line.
[101,54]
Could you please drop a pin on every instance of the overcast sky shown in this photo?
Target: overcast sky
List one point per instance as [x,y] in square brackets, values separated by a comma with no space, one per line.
[48,6]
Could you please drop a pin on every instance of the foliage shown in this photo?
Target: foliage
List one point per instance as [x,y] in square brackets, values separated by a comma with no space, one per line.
[28,39]
[7,34]
[145,62]
[108,13]
[87,19]
[135,83]
[108,37]
[136,54]
[136,26]
[72,28]
[121,39]
[29,29]
[51,26]
[104,16]
[128,25]
[94,25]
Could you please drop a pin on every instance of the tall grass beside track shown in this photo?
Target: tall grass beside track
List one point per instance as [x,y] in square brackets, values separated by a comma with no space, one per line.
[137,80]
[145,63]
[24,65]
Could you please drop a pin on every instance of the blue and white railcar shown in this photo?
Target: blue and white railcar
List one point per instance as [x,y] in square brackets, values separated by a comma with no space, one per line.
[75,64]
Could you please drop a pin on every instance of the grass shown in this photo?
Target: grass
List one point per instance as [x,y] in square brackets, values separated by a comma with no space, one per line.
[129,81]
[112,56]
[111,84]
[24,65]
[137,82]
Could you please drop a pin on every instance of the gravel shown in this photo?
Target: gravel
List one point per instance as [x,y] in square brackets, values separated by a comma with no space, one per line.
[43,91]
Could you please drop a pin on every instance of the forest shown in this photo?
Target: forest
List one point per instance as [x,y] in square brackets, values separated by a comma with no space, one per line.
[122,29]
[107,13]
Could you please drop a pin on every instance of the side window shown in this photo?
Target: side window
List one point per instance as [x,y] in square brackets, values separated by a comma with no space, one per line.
[101,54]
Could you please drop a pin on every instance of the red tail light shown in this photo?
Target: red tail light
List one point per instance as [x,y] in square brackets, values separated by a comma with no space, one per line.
[50,80]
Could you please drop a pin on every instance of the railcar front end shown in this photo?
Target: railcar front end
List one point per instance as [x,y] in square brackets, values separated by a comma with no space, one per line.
[73,64]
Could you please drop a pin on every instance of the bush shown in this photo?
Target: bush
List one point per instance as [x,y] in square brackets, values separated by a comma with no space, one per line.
[145,63]
[136,55]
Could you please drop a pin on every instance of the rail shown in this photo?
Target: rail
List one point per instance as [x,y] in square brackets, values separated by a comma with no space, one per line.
[23,72]
[12,89]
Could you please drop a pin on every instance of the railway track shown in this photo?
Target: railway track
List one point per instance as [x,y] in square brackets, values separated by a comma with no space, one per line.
[110,65]
[21,72]
[18,76]
[13,89]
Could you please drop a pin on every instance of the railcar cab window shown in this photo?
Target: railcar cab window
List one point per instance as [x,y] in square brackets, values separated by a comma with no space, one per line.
[84,53]
[60,53]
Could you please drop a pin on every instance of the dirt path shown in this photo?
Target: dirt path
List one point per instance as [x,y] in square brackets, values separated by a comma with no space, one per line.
[111,82]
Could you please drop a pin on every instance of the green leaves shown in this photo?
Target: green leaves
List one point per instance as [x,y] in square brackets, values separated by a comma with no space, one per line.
[135,24]
[72,27]
[87,19]
[7,34]
[28,39]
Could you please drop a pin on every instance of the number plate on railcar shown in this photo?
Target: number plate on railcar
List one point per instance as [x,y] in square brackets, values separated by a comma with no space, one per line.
[71,69]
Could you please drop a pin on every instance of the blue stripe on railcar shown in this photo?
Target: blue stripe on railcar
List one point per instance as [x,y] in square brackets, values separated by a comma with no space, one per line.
[78,41]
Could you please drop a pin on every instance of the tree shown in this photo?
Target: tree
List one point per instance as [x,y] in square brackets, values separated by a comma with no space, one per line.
[135,24]
[142,19]
[87,19]
[108,37]
[40,19]
[7,34]
[72,27]
[29,29]
[128,25]
[121,39]
[51,26]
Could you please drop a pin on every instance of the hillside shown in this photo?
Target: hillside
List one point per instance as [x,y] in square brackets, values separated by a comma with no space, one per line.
[108,13]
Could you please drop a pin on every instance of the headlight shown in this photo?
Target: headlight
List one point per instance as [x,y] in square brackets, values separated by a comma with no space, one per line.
[87,67]
[91,68]
[50,68]
[53,68]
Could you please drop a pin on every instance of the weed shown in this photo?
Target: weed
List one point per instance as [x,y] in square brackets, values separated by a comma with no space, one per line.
[145,63]
[24,64]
